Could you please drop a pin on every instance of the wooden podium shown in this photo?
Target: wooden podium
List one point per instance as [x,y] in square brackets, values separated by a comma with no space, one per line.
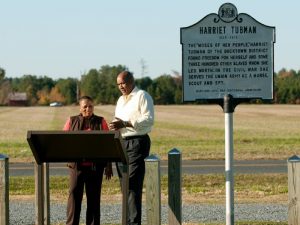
[73,146]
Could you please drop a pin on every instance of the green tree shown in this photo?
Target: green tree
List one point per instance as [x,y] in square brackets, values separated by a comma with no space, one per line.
[108,90]
[2,74]
[144,83]
[164,89]
[90,84]
[68,89]
[31,85]
[101,84]
[178,92]
[287,87]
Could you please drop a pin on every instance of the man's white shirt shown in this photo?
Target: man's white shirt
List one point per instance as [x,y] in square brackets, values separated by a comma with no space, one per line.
[137,108]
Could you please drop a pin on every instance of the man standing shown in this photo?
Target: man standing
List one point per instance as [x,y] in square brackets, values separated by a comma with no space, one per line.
[134,117]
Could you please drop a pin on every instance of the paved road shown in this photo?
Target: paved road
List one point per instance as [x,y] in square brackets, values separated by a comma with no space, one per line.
[188,167]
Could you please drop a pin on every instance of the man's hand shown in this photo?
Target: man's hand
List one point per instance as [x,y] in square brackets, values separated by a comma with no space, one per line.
[116,124]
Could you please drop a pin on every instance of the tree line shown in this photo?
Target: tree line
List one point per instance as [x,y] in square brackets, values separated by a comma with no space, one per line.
[100,84]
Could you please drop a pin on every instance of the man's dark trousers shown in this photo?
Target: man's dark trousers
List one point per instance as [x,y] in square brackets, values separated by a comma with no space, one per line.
[137,148]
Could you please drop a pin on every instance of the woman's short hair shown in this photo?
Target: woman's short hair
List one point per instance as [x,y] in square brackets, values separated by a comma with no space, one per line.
[85,97]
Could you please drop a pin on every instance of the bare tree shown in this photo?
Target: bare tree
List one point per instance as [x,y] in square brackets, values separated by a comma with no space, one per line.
[5,89]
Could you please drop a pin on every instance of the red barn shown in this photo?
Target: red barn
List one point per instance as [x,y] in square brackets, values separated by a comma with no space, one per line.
[17,99]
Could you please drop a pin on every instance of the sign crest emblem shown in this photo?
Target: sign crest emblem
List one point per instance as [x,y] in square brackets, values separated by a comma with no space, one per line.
[228,12]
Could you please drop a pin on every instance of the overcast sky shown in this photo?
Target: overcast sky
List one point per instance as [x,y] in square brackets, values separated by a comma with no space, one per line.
[65,38]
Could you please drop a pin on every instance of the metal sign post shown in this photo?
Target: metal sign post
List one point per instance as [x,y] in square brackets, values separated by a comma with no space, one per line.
[228,110]
[228,104]
[229,169]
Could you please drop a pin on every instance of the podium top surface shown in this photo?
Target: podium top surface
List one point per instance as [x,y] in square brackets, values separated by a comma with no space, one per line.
[76,146]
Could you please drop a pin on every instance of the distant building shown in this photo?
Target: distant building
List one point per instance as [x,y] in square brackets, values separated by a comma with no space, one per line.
[17,99]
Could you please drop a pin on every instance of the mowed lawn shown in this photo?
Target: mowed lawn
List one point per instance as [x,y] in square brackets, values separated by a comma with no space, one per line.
[260,131]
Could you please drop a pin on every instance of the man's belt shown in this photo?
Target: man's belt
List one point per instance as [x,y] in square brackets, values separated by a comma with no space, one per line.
[135,137]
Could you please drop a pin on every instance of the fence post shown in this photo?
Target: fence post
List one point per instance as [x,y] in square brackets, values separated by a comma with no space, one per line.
[294,191]
[152,183]
[42,196]
[4,190]
[174,187]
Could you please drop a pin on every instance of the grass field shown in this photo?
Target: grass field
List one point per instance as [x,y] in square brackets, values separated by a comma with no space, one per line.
[260,131]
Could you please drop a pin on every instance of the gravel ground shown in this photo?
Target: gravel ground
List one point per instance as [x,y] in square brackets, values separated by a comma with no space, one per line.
[23,213]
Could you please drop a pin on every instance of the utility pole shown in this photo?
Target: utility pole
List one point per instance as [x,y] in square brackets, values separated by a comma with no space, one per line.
[143,67]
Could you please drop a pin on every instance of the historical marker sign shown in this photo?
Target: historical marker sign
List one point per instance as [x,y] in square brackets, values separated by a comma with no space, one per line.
[227,53]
